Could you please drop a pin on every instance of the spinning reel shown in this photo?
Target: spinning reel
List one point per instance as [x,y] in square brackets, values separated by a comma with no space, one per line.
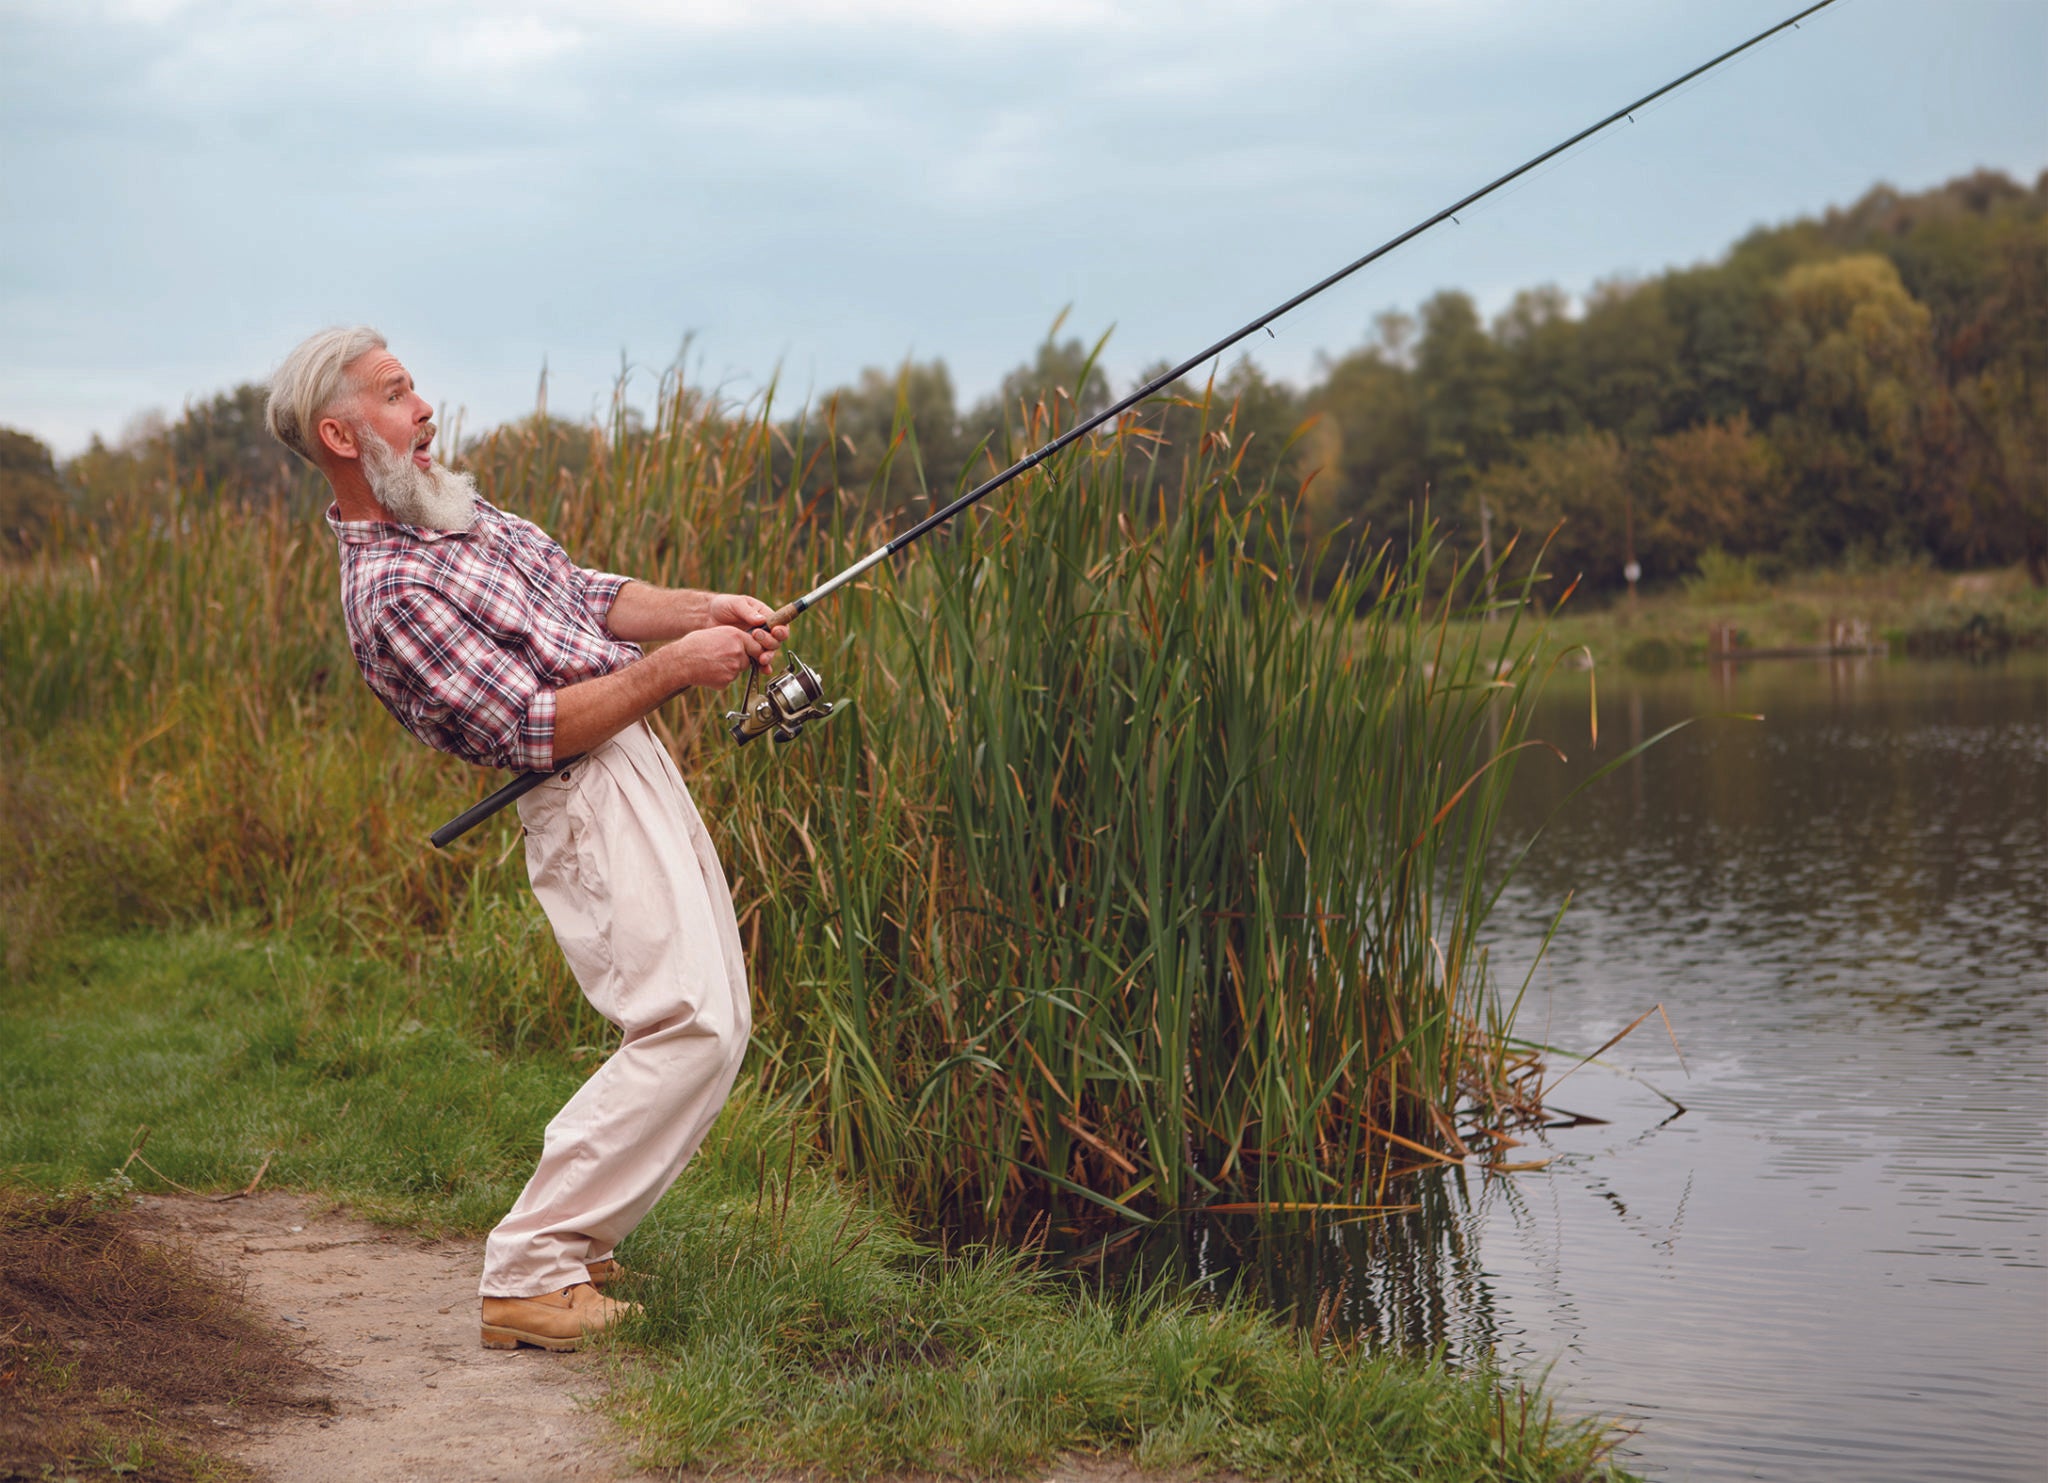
[786,705]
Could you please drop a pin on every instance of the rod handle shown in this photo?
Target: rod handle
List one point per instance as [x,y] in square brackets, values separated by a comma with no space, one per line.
[477,812]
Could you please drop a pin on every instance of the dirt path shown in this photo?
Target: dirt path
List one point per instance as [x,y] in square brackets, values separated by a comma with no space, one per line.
[392,1320]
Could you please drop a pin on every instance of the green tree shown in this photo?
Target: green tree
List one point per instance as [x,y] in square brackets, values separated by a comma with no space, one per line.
[1461,381]
[1367,447]
[107,480]
[1985,442]
[1628,359]
[1261,425]
[1851,365]
[1540,341]
[1573,484]
[1997,499]
[31,496]
[895,435]
[1056,388]
[1722,316]
[1240,424]
[1717,486]
[223,443]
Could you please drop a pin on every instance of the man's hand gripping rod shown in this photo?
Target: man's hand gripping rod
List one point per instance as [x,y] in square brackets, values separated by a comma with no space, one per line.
[801,690]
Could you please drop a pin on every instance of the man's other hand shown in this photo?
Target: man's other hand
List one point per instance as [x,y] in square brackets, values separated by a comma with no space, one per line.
[712,657]
[737,610]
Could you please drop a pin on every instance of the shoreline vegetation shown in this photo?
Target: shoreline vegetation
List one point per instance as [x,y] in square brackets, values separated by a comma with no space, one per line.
[794,1320]
[1907,610]
[1190,960]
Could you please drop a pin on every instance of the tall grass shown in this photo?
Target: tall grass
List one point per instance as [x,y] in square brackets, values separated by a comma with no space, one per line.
[1127,881]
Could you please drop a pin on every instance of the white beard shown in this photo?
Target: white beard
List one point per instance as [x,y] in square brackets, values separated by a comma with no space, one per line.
[437,498]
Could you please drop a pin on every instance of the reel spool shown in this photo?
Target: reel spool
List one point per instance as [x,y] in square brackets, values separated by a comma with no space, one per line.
[785,706]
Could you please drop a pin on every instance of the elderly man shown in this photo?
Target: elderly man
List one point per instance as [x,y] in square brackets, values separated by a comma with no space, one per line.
[485,640]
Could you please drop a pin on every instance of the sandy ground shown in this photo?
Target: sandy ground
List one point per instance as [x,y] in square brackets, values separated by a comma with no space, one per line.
[391,1320]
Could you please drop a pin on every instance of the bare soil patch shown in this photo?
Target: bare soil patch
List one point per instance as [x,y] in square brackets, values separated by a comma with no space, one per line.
[120,1356]
[391,1321]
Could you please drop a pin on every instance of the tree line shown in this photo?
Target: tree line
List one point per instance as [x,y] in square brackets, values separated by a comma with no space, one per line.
[1870,383]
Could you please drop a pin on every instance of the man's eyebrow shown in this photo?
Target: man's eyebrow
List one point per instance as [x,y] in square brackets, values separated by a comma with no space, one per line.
[396,377]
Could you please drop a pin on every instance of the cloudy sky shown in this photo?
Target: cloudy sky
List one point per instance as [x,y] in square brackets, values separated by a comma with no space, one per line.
[806,187]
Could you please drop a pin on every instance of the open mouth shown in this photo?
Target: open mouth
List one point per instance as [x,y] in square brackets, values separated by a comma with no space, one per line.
[422,445]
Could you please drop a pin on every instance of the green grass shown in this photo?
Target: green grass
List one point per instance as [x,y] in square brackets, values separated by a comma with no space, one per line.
[229,1049]
[775,1341]
[792,1320]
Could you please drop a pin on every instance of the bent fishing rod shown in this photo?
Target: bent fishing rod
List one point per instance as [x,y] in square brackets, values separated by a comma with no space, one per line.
[796,696]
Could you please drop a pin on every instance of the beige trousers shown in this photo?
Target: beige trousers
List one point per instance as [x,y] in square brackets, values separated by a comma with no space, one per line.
[631,884]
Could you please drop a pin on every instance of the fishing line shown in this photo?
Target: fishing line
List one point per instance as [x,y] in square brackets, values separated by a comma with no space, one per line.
[1166,378]
[797,695]
[1777,37]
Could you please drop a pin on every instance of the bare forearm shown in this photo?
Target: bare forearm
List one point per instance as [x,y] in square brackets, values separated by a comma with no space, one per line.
[642,612]
[591,712]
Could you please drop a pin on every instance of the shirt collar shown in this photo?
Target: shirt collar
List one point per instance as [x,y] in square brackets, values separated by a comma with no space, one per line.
[373,532]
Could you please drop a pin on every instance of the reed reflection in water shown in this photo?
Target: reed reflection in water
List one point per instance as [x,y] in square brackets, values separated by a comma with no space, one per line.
[1410,1280]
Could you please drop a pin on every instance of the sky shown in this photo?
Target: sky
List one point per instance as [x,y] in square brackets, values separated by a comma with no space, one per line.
[797,189]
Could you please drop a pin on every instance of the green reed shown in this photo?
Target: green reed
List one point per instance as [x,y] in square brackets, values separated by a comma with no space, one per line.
[1191,877]
[1129,880]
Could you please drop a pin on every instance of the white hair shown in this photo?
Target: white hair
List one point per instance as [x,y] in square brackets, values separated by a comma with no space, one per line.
[312,379]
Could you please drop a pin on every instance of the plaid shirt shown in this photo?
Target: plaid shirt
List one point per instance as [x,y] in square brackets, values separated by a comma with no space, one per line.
[466,635]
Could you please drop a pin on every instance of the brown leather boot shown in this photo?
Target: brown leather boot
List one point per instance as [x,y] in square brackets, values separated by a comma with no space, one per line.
[554,1320]
[605,1271]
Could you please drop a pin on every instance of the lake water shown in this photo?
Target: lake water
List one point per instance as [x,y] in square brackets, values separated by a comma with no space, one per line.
[1831,1264]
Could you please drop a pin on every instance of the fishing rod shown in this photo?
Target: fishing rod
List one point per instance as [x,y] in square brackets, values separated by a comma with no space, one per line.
[796,696]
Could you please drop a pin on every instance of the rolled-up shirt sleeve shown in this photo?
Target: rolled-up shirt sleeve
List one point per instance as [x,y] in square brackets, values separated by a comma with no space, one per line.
[597,591]
[452,680]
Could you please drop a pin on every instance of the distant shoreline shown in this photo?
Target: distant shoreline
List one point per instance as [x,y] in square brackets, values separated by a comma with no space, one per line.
[1901,611]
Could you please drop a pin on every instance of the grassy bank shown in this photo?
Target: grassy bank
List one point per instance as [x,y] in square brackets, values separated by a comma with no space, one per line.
[1915,609]
[793,1320]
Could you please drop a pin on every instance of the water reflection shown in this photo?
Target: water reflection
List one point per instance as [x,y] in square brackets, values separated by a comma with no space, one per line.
[1835,1264]
[1412,1279]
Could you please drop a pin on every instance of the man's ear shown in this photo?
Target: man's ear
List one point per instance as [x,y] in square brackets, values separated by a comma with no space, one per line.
[337,437]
